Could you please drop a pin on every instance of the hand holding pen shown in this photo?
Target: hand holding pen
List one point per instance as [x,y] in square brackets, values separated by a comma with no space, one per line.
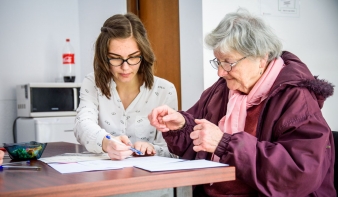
[119,147]
[129,144]
[147,148]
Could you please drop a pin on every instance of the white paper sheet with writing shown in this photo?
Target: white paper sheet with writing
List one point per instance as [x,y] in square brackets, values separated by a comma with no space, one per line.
[99,164]
[183,165]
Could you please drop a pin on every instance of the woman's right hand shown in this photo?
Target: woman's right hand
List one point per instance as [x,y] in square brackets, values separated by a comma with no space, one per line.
[115,150]
[164,118]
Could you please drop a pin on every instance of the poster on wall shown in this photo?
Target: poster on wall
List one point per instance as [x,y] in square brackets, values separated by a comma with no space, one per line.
[284,8]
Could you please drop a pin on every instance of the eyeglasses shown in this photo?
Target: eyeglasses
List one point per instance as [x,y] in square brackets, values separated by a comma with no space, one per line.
[225,65]
[119,61]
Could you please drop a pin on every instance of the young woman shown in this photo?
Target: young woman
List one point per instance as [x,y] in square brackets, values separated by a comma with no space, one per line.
[122,91]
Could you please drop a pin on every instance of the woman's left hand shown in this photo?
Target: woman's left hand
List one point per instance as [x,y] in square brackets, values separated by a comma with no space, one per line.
[146,148]
[205,136]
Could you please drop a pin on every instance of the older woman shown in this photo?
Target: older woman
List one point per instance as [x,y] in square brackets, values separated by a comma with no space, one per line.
[262,116]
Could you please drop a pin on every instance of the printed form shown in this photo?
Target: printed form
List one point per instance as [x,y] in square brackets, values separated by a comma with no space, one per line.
[78,163]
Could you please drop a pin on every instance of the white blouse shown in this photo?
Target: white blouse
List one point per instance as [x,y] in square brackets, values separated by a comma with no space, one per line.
[98,116]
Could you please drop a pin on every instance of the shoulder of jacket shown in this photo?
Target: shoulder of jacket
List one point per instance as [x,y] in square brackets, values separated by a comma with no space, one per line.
[319,87]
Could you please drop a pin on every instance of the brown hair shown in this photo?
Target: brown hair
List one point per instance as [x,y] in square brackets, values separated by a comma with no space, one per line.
[122,26]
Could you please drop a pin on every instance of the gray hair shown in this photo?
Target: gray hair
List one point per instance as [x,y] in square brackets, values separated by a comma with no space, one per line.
[247,34]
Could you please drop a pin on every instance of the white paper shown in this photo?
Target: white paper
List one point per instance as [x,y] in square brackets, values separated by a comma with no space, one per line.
[74,157]
[82,163]
[183,165]
[78,167]
[132,161]
[99,164]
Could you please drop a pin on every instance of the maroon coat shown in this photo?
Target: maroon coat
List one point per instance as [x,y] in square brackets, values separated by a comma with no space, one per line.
[293,152]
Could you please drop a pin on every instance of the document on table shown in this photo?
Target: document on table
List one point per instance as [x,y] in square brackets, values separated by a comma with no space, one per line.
[72,163]
[79,167]
[183,165]
[74,157]
[99,164]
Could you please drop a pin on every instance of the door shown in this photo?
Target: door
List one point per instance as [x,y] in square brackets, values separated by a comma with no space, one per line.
[161,19]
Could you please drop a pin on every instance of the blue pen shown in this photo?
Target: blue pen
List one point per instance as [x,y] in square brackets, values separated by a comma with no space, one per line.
[20,167]
[16,163]
[131,148]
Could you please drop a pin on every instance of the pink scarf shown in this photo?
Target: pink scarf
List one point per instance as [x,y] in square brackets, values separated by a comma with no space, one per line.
[234,120]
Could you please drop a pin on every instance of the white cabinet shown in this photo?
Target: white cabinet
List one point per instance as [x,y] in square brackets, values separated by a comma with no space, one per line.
[46,129]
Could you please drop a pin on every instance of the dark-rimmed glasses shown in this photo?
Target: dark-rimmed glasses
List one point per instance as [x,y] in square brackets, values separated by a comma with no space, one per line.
[225,65]
[131,61]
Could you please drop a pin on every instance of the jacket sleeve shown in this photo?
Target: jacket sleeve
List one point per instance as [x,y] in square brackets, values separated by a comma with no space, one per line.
[296,158]
[209,106]
[179,141]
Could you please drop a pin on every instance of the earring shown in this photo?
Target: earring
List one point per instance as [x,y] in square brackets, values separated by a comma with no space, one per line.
[260,72]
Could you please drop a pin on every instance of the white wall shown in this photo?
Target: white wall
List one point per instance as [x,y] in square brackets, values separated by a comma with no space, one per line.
[312,37]
[92,15]
[32,35]
[191,51]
